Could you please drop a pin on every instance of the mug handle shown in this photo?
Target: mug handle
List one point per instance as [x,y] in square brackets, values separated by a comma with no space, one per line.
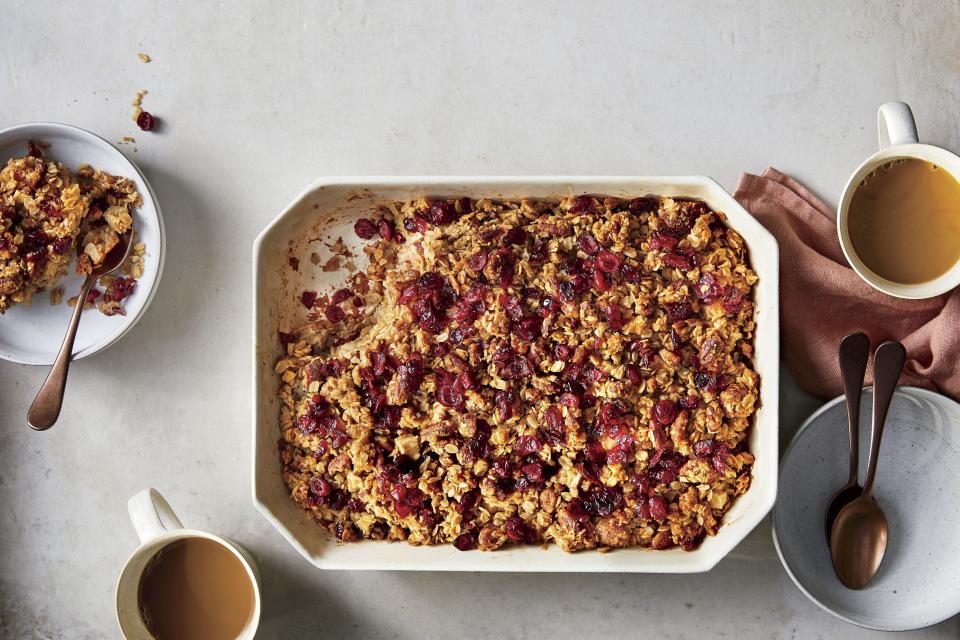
[895,124]
[151,515]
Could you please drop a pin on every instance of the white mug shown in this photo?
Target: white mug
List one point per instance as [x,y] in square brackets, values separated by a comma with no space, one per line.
[157,526]
[898,139]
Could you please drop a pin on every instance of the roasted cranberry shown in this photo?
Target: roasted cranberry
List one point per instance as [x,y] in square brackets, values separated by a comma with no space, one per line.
[601,281]
[441,213]
[719,457]
[581,204]
[615,317]
[340,295]
[703,448]
[467,502]
[609,412]
[732,300]
[386,230]
[35,240]
[465,542]
[320,487]
[567,293]
[365,228]
[663,241]
[658,508]
[690,402]
[507,271]
[665,411]
[516,235]
[562,352]
[307,298]
[527,329]
[588,244]
[286,338]
[708,288]
[595,452]
[533,471]
[62,245]
[504,401]
[665,476]
[553,418]
[642,205]
[146,121]
[570,400]
[500,468]
[602,501]
[710,382]
[334,314]
[679,311]
[121,289]
[608,262]
[683,261]
[294,263]
[526,445]
[633,374]
[577,512]
[539,253]
[477,261]
[519,531]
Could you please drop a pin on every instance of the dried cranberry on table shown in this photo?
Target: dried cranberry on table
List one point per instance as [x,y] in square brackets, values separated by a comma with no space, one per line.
[146,121]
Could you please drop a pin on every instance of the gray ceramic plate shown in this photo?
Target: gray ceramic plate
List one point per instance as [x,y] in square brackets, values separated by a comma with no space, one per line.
[918,486]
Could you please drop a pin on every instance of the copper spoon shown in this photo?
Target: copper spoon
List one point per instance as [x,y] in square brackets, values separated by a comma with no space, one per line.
[853,354]
[858,539]
[46,406]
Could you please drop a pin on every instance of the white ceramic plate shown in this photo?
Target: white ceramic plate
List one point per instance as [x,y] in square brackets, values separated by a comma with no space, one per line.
[918,486]
[327,210]
[32,334]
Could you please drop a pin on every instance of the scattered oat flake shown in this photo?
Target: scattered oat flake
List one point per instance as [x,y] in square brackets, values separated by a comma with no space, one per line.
[144,58]
[56,296]
[332,264]
[315,258]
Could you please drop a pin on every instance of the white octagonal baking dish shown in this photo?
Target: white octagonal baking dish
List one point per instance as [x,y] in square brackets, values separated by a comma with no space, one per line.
[327,210]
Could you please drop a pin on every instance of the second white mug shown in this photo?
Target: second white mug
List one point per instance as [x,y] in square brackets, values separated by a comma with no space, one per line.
[157,527]
[898,139]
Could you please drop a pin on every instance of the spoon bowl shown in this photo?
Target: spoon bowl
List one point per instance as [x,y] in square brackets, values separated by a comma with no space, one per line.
[859,538]
[840,499]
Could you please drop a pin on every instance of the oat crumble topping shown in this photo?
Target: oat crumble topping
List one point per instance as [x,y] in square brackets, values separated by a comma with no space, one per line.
[574,372]
[46,212]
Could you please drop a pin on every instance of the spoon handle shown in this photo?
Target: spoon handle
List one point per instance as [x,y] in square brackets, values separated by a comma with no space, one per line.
[854,353]
[887,364]
[46,406]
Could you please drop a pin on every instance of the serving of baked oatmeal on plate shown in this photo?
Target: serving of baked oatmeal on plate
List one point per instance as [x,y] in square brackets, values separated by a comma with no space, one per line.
[509,373]
[66,196]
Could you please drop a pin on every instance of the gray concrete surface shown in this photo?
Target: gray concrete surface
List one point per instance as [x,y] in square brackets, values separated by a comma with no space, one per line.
[256,100]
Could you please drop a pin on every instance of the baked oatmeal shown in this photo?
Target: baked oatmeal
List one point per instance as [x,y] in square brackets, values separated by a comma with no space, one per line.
[46,212]
[574,372]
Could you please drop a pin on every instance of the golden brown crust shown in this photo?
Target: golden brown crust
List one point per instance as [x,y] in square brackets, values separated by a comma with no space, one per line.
[574,371]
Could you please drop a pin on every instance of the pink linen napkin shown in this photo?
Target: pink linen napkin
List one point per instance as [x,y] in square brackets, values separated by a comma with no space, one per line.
[822,298]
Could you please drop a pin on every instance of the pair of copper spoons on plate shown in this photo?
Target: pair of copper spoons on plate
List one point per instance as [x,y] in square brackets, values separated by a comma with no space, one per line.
[855,524]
